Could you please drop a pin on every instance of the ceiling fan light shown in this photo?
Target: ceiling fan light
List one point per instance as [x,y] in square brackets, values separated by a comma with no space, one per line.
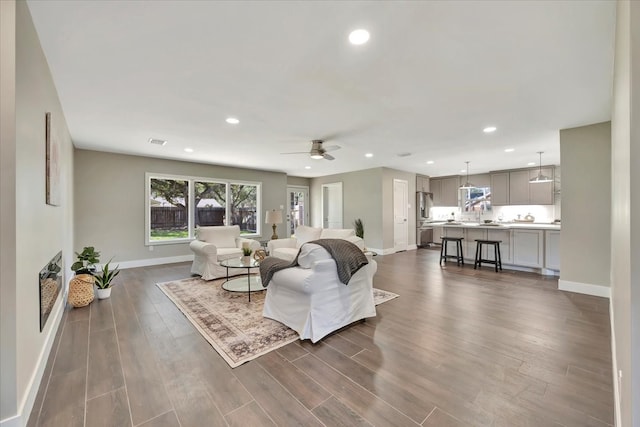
[317,156]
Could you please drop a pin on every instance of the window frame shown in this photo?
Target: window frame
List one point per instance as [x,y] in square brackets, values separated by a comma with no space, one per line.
[191,208]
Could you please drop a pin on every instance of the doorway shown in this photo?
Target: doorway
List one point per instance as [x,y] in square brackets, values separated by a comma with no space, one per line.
[400,215]
[332,205]
[297,208]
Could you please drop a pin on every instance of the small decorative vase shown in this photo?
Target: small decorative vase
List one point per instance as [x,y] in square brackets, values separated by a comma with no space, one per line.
[246,259]
[81,290]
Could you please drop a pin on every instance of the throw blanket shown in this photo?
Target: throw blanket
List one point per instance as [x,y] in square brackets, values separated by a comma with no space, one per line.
[348,257]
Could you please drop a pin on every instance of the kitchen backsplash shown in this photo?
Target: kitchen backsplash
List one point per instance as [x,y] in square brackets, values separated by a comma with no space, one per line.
[541,213]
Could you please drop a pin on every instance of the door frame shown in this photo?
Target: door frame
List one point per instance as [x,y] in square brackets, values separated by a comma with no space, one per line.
[325,202]
[405,209]
[299,188]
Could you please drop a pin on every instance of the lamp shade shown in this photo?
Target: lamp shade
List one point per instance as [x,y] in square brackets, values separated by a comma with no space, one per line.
[273,217]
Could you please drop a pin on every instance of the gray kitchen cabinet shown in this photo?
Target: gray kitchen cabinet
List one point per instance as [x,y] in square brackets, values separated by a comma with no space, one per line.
[519,187]
[505,245]
[552,249]
[422,183]
[541,193]
[500,189]
[528,248]
[445,191]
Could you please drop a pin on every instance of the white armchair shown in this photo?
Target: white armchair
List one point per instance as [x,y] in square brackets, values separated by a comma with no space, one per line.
[311,300]
[287,249]
[215,244]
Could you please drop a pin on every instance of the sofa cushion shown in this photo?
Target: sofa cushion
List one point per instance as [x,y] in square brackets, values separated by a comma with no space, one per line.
[336,233]
[221,236]
[306,234]
[310,254]
[229,253]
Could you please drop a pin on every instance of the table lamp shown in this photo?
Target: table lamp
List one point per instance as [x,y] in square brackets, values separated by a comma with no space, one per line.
[273,217]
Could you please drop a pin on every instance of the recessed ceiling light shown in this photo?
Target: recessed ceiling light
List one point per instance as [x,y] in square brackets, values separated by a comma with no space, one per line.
[307,167]
[489,129]
[463,170]
[157,141]
[430,162]
[359,36]
[369,155]
[188,150]
[509,150]
[232,120]
[531,164]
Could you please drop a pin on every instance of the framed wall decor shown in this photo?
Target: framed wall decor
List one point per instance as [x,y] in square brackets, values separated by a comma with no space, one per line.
[52,163]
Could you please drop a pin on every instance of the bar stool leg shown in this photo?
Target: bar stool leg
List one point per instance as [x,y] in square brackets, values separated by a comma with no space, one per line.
[499,256]
[495,255]
[475,260]
[442,251]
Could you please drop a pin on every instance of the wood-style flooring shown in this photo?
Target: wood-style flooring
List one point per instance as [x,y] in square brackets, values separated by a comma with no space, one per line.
[459,347]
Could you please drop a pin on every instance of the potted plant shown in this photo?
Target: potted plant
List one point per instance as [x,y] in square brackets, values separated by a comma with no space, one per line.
[87,260]
[358,225]
[103,280]
[246,251]
[81,285]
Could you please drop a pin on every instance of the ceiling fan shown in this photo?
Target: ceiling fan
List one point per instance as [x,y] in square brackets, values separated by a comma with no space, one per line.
[318,151]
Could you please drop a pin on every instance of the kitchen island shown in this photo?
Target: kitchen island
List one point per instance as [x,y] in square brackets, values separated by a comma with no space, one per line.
[525,246]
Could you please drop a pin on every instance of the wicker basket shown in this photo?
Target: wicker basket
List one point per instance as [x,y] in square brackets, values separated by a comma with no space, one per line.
[81,290]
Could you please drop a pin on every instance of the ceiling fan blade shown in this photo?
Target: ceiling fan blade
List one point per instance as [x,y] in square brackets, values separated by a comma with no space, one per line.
[328,156]
[297,152]
[332,148]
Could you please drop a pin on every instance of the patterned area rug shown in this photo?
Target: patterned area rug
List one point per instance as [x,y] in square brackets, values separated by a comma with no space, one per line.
[234,326]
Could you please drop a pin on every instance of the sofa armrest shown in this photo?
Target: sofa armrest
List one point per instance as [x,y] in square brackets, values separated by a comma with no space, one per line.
[200,247]
[282,243]
[356,241]
[253,244]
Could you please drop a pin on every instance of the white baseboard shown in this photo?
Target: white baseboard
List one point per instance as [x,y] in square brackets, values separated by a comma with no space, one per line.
[584,288]
[26,406]
[616,382]
[155,261]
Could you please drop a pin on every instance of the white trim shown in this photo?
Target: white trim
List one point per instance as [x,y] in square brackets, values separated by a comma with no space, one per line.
[616,383]
[584,288]
[412,247]
[26,406]
[154,261]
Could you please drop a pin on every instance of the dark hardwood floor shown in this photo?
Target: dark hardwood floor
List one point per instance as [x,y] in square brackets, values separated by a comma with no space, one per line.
[459,347]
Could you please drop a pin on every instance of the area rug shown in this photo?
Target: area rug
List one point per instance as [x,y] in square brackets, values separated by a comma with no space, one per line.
[232,325]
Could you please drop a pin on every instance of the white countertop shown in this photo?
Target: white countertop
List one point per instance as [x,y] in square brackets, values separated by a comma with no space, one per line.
[498,226]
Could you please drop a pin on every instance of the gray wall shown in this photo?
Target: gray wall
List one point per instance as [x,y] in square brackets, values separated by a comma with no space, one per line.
[32,231]
[368,195]
[362,198]
[586,204]
[298,180]
[110,201]
[625,205]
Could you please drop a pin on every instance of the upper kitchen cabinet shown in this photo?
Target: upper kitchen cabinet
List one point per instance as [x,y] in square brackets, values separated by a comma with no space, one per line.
[500,188]
[422,183]
[542,192]
[445,191]
[513,188]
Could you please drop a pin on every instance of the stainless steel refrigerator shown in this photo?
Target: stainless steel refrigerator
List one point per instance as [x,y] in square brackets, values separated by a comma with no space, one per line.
[424,232]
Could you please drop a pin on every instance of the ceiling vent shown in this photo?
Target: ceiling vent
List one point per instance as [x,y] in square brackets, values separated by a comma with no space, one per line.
[157,141]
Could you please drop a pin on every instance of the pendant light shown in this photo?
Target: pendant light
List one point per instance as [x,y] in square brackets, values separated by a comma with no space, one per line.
[467,184]
[540,178]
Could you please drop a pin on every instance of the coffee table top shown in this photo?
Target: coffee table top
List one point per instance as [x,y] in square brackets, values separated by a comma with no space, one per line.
[240,263]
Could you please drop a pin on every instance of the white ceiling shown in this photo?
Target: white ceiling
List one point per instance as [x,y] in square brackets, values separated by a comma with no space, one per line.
[432,76]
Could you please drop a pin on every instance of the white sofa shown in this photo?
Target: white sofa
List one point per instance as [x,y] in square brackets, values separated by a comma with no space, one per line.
[288,248]
[311,300]
[215,244]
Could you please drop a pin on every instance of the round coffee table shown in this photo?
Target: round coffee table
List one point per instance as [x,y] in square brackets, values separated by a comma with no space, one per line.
[251,284]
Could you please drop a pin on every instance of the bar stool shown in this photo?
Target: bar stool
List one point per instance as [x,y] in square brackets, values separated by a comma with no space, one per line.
[497,259]
[443,250]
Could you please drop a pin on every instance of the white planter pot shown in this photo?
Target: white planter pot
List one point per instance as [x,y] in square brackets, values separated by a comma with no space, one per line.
[103,293]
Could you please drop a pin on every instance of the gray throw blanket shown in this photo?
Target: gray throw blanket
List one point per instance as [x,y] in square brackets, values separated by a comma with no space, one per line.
[348,257]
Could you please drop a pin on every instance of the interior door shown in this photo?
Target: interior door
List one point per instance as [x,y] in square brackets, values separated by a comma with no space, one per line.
[332,205]
[298,208]
[400,215]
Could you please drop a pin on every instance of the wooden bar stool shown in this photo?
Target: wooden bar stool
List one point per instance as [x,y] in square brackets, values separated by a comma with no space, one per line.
[443,250]
[497,259]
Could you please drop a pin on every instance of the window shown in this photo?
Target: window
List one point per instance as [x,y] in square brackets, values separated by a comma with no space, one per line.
[176,205]
[477,199]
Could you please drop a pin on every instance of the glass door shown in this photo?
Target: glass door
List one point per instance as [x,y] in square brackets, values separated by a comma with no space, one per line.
[298,208]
